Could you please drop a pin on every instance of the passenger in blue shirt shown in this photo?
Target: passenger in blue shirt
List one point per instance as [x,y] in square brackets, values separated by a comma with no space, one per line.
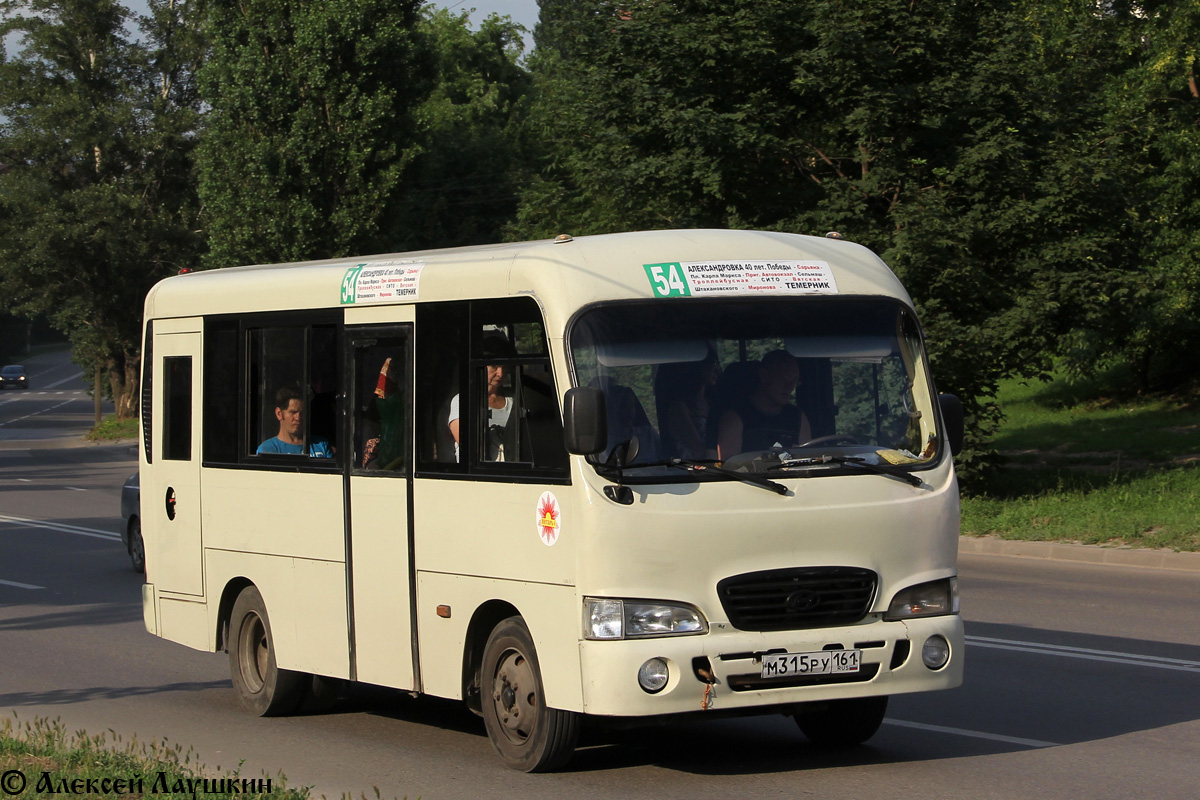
[289,408]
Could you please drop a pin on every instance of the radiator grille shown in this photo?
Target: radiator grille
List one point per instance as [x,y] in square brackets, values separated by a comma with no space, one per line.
[798,598]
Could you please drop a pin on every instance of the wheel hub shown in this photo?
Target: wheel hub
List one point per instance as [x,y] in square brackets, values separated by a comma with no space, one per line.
[514,697]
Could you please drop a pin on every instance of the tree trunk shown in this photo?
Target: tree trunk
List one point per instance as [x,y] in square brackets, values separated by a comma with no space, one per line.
[96,394]
[123,377]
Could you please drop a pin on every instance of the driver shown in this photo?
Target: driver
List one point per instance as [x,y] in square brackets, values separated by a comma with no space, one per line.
[768,417]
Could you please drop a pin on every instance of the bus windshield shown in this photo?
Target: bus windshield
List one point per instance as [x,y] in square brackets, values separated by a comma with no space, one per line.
[837,384]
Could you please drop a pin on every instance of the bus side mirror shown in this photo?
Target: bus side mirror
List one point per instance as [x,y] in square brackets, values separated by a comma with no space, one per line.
[952,418]
[585,421]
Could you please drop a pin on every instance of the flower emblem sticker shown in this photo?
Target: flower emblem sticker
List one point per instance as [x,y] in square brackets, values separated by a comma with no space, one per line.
[549,519]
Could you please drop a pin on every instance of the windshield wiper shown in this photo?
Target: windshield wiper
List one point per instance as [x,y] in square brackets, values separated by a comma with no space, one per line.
[712,466]
[853,461]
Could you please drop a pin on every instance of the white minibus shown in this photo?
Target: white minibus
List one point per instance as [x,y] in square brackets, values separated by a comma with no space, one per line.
[606,477]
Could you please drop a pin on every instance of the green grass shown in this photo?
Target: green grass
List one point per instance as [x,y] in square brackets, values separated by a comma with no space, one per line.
[1089,462]
[111,429]
[40,759]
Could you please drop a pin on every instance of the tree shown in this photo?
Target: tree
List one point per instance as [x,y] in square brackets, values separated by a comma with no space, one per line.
[959,140]
[94,202]
[1152,110]
[462,187]
[311,126]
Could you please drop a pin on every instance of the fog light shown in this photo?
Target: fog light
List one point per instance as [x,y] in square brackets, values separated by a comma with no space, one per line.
[935,652]
[652,677]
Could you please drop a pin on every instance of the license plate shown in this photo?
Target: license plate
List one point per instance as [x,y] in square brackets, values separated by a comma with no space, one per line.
[824,662]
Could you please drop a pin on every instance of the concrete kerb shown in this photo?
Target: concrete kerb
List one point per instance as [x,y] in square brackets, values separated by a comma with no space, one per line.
[1080,553]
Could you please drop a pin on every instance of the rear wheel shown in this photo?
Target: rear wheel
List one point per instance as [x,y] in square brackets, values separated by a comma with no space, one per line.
[527,734]
[841,723]
[261,687]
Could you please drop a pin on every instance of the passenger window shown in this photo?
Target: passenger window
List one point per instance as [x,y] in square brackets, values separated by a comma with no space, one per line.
[294,391]
[500,411]
[381,405]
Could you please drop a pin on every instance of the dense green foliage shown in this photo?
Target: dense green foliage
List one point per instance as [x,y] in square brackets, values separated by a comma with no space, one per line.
[1030,168]
[96,198]
[1004,157]
[311,126]
[463,185]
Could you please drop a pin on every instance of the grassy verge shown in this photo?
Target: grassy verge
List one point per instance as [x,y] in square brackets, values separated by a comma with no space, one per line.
[1087,463]
[112,429]
[40,759]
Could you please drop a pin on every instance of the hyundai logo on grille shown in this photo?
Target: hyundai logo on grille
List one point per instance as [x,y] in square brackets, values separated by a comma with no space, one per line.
[803,600]
[797,598]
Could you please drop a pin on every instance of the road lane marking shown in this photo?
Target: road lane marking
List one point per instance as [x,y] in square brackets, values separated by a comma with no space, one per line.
[60,527]
[34,414]
[20,585]
[995,737]
[1063,651]
[74,377]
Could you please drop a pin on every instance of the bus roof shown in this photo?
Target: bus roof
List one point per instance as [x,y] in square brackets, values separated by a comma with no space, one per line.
[564,274]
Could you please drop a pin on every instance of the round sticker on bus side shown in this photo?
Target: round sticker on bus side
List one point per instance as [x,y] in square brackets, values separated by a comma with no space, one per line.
[549,519]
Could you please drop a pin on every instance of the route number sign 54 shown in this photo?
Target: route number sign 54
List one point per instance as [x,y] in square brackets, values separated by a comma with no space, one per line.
[668,280]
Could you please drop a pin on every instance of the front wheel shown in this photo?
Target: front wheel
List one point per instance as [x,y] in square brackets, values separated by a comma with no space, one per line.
[528,735]
[261,687]
[841,723]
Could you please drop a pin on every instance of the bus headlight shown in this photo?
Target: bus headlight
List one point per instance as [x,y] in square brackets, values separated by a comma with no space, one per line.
[933,599]
[606,618]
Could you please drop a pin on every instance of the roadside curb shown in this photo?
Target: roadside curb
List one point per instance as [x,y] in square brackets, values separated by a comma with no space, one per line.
[1080,553]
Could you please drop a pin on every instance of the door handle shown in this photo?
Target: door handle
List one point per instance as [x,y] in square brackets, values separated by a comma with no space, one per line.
[170,502]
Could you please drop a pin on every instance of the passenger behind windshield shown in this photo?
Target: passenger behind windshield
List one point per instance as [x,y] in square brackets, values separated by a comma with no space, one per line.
[765,417]
[681,394]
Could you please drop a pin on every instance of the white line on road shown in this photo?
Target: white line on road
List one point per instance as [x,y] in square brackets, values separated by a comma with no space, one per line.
[60,527]
[20,585]
[995,737]
[74,377]
[34,414]
[1063,651]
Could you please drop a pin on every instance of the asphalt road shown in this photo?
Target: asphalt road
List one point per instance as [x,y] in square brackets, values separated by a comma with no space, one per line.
[55,409]
[1083,681]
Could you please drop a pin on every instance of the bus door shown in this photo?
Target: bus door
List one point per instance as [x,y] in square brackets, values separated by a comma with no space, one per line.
[379,475]
[171,498]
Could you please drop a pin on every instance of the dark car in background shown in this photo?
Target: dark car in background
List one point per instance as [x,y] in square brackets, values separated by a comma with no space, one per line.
[131,531]
[13,377]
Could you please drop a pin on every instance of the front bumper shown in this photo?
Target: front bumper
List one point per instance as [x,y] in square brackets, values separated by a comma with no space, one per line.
[720,670]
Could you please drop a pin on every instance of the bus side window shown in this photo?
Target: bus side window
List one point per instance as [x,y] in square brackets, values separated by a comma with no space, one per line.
[381,406]
[293,374]
[486,400]
[516,388]
[440,373]
[177,408]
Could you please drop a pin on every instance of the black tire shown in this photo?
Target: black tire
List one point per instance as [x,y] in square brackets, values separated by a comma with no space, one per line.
[528,735]
[843,723]
[321,693]
[260,686]
[137,547]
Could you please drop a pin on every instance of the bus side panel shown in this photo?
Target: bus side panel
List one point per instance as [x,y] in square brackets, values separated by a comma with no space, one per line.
[276,513]
[493,530]
[552,614]
[305,601]
[185,622]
